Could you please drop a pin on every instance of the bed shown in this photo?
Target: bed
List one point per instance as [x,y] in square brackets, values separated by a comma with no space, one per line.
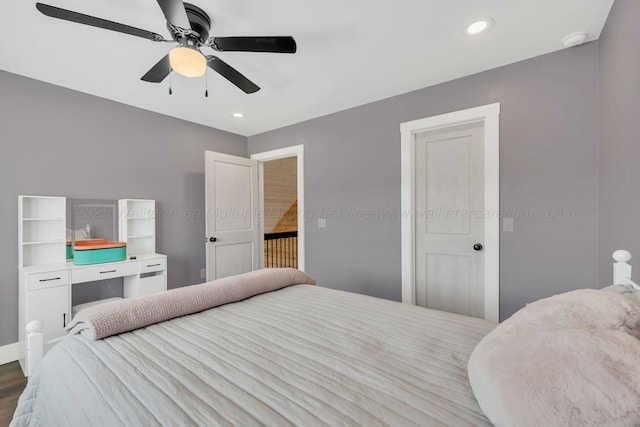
[289,354]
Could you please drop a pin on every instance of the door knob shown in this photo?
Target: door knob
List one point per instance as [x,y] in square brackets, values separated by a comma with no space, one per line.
[477,247]
[212,239]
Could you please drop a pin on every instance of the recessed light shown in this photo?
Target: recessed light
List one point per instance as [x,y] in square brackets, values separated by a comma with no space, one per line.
[480,26]
[238,115]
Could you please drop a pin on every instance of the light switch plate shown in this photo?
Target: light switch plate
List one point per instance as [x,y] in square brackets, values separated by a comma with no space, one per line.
[203,273]
[322,223]
[507,225]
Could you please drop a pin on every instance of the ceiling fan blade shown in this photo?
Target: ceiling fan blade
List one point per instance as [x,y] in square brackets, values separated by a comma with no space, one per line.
[175,13]
[68,15]
[231,74]
[254,44]
[158,72]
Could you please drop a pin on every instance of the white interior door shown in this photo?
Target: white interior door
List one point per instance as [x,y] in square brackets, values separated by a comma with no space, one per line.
[450,219]
[232,220]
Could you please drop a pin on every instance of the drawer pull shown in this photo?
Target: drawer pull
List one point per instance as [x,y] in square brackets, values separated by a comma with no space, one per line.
[153,265]
[109,271]
[50,280]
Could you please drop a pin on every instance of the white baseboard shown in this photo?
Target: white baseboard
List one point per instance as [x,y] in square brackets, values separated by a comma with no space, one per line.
[9,353]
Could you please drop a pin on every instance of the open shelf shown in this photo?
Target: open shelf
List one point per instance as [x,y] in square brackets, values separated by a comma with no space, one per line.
[42,207]
[44,242]
[139,209]
[138,226]
[42,230]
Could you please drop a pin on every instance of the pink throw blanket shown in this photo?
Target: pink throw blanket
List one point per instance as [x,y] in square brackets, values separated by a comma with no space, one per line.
[569,360]
[132,313]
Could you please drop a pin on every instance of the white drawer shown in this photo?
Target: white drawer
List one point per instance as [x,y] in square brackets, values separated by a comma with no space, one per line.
[152,265]
[49,279]
[103,271]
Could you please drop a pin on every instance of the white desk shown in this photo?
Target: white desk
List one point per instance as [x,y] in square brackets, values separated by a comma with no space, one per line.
[45,292]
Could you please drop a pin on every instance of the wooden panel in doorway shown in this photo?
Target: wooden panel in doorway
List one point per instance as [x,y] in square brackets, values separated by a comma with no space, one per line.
[280,190]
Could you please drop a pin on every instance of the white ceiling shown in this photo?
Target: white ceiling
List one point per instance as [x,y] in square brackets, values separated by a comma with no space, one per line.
[350,52]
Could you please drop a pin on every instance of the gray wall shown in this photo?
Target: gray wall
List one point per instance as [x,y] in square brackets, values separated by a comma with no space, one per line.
[62,142]
[59,142]
[619,141]
[548,161]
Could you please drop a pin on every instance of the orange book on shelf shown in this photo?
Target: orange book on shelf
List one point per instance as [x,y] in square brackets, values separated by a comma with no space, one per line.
[91,242]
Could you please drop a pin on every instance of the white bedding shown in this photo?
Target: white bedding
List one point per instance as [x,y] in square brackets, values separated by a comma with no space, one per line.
[303,355]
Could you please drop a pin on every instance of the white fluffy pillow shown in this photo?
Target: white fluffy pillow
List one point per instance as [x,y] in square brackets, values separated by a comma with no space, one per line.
[569,360]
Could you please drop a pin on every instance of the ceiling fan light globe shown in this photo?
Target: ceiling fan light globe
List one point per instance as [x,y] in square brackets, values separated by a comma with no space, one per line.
[187,62]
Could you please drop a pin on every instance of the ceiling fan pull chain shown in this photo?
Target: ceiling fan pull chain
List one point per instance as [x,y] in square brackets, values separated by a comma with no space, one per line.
[206,85]
[170,81]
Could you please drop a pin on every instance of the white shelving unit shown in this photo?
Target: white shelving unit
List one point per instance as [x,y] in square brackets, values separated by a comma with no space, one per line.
[43,295]
[46,278]
[41,231]
[137,226]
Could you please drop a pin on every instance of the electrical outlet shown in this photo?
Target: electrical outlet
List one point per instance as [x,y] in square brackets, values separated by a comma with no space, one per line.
[203,273]
[507,225]
[322,223]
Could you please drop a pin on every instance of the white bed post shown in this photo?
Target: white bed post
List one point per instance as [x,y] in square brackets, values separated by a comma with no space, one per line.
[622,269]
[35,345]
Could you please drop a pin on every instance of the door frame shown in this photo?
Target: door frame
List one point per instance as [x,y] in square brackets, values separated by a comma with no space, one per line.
[489,115]
[281,153]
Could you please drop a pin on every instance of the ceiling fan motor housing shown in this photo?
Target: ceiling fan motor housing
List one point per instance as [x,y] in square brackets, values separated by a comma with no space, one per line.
[200,24]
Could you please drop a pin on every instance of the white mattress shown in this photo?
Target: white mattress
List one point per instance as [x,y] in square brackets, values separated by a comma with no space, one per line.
[303,355]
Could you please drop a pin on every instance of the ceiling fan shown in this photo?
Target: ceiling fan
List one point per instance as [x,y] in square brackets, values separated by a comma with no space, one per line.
[189,27]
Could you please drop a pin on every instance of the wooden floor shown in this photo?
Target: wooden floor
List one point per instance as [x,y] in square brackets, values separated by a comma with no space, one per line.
[12,382]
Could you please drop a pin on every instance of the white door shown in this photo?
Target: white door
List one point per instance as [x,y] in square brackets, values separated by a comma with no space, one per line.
[450,219]
[232,220]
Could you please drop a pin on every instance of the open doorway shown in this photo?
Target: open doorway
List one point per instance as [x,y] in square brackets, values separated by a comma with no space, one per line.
[280,213]
[281,184]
